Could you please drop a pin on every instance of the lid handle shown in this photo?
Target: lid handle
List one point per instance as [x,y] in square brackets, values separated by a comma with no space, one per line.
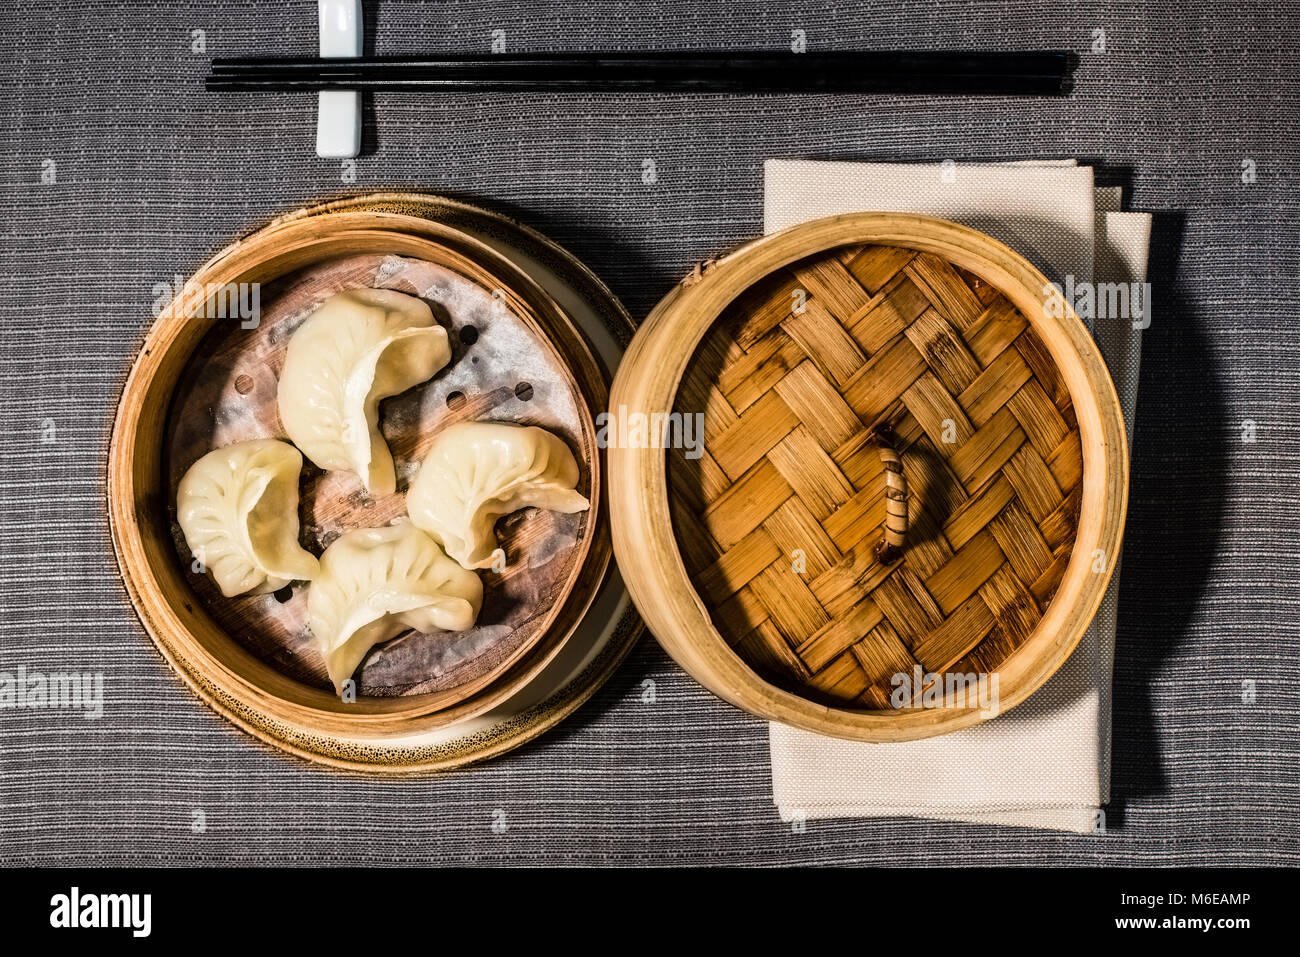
[890,548]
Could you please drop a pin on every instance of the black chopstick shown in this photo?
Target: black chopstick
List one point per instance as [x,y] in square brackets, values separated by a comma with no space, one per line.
[894,71]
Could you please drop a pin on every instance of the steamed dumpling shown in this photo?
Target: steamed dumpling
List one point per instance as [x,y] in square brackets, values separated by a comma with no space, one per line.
[475,472]
[238,509]
[357,348]
[376,583]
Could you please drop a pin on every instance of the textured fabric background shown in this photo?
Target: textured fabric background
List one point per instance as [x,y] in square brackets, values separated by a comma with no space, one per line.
[151,176]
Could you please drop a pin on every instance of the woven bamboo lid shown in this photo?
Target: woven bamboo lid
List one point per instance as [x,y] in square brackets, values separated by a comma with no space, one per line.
[781,518]
[907,463]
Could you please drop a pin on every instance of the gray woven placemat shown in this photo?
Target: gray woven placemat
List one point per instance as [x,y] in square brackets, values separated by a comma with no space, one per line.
[118,172]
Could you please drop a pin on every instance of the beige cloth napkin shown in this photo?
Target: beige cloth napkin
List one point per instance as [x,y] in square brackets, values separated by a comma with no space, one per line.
[1045,763]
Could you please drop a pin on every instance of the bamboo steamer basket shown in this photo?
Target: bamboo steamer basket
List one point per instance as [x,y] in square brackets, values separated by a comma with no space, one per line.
[251,656]
[912,463]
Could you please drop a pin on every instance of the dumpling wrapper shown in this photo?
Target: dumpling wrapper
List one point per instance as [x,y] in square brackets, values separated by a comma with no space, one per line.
[238,509]
[376,583]
[476,472]
[358,348]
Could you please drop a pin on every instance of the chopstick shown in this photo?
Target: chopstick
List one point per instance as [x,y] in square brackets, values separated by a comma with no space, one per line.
[892,71]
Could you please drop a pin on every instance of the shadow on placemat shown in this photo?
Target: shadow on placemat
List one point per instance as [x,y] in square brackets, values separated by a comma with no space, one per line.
[1176,503]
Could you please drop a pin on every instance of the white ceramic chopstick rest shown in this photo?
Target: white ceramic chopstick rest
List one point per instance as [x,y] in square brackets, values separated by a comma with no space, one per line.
[338,112]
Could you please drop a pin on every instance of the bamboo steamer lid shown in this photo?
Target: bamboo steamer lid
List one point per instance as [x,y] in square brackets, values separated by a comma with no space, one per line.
[910,464]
